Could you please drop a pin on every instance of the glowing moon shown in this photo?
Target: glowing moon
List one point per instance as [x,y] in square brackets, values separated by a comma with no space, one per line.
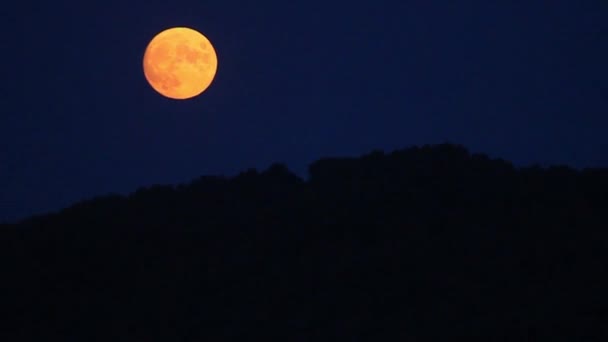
[180,63]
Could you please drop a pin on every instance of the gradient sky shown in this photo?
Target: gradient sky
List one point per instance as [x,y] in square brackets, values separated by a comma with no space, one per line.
[297,80]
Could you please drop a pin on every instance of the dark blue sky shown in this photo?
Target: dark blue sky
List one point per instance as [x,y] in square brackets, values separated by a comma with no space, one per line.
[297,80]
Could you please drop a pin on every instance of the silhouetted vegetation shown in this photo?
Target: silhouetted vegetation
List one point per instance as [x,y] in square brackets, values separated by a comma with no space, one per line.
[425,243]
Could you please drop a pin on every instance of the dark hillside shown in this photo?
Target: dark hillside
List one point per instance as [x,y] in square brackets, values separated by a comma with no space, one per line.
[427,243]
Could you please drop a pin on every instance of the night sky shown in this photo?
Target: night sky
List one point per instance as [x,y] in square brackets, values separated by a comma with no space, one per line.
[297,80]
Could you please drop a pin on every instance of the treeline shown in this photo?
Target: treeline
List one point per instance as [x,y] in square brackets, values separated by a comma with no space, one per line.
[425,243]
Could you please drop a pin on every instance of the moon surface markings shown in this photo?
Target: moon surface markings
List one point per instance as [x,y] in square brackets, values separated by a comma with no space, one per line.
[180,63]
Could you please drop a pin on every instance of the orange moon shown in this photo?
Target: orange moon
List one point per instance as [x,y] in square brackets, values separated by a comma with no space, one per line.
[180,63]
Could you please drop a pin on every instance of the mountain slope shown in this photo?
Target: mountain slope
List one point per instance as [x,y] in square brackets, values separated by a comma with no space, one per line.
[424,243]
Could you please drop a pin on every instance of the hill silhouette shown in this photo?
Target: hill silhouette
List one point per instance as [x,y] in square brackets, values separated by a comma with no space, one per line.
[422,244]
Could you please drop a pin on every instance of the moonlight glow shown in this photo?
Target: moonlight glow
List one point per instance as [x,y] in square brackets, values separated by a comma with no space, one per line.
[180,63]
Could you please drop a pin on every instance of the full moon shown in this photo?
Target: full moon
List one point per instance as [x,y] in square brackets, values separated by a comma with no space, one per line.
[180,63]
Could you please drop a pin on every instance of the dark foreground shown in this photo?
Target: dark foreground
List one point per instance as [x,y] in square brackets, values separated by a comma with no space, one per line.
[422,244]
